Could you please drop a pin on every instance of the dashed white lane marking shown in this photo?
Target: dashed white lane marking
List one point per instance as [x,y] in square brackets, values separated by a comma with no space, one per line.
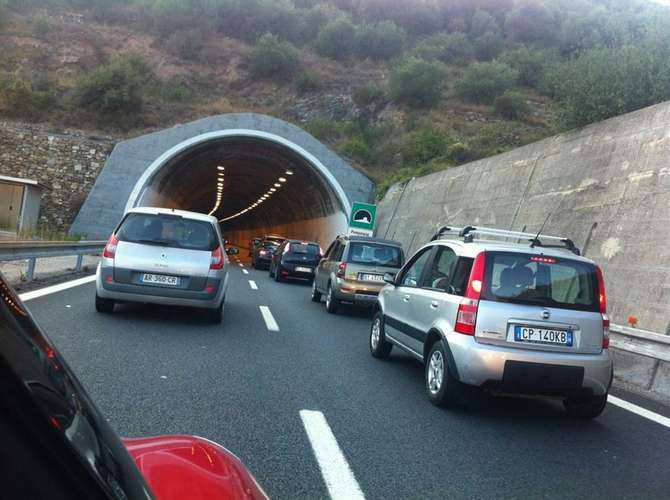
[240,264]
[270,322]
[245,271]
[335,469]
[638,410]
[56,288]
[253,285]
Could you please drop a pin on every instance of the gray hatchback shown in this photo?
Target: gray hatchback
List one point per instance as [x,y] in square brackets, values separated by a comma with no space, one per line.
[513,317]
[164,256]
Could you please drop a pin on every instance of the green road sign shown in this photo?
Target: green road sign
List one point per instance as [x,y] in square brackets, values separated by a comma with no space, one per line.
[363,216]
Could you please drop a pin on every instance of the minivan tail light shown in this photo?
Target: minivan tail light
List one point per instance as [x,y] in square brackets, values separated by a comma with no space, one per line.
[341,269]
[110,248]
[606,331]
[476,281]
[217,259]
[602,296]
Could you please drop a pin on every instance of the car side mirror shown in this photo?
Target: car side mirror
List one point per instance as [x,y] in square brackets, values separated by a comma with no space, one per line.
[389,278]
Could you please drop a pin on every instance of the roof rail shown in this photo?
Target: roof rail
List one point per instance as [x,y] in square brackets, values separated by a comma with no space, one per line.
[470,233]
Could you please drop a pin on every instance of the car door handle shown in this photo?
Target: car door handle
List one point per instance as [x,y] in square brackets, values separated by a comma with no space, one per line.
[405,298]
[434,304]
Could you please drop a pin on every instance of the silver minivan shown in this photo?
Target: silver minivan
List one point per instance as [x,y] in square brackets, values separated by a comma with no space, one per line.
[164,256]
[512,317]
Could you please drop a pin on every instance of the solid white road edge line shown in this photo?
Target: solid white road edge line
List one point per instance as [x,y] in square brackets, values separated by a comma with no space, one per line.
[56,288]
[253,285]
[335,469]
[245,271]
[270,322]
[638,410]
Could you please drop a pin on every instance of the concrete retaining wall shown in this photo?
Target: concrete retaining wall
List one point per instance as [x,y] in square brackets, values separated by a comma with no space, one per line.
[606,186]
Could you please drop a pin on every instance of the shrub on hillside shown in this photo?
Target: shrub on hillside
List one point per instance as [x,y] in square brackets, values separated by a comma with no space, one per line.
[533,23]
[450,48]
[358,149]
[274,59]
[484,81]
[482,22]
[26,98]
[495,138]
[381,41]
[187,44]
[424,145]
[337,39]
[313,20]
[367,95]
[530,64]
[511,106]
[488,46]
[116,88]
[309,81]
[416,82]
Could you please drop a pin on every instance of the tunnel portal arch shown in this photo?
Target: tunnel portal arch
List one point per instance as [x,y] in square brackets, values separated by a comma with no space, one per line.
[253,144]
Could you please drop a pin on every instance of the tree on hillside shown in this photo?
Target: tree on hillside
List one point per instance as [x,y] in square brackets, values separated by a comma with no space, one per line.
[337,39]
[274,59]
[483,82]
[416,82]
[381,41]
[532,22]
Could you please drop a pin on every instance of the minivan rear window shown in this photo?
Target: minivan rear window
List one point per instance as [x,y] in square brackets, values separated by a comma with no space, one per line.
[305,248]
[540,280]
[375,254]
[168,230]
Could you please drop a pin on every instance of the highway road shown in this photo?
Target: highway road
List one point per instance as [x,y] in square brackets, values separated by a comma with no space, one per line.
[295,394]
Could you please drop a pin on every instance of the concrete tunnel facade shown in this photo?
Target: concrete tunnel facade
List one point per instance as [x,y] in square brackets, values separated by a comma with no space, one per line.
[276,179]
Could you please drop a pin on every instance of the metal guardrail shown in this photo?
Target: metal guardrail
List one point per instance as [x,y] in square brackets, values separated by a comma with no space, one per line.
[641,342]
[33,250]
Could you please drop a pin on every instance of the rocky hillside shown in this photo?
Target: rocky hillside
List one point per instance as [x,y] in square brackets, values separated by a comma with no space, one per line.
[399,89]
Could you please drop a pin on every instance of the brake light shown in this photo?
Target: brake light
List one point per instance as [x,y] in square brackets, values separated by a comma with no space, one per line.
[341,269]
[263,252]
[543,260]
[217,259]
[602,296]
[466,317]
[110,248]
[606,331]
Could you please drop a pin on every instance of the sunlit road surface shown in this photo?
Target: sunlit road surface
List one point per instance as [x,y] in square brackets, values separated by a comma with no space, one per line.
[295,394]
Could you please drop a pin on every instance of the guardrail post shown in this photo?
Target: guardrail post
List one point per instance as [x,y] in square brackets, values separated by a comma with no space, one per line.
[80,260]
[31,269]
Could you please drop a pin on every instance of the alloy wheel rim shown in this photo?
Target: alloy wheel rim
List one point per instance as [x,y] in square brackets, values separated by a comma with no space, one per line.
[376,334]
[435,372]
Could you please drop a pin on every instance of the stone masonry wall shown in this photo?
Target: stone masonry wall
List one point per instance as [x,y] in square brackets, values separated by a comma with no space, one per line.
[65,162]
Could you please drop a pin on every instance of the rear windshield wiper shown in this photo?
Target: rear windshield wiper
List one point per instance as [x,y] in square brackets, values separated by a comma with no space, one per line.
[153,242]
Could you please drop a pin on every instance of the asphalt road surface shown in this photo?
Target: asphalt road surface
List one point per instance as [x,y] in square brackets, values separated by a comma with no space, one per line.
[313,415]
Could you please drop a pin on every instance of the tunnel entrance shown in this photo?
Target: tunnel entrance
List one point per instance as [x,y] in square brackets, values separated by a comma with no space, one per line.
[253,182]
[255,173]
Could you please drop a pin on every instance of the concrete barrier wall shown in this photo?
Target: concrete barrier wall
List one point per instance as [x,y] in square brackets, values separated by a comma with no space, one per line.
[606,186]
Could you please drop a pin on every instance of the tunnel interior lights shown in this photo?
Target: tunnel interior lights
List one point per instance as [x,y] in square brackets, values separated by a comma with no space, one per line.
[219,189]
[260,200]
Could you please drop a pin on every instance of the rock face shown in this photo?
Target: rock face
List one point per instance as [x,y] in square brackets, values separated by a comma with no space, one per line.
[65,162]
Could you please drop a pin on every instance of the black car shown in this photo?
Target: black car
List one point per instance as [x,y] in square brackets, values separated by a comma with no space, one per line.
[253,243]
[295,259]
[262,255]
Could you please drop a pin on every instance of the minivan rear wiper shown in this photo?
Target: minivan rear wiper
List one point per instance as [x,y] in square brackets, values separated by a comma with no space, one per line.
[153,242]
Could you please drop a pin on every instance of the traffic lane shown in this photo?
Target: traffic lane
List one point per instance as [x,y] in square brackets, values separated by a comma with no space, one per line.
[234,384]
[399,445]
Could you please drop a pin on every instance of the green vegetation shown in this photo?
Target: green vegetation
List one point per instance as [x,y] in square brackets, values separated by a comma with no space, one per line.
[274,59]
[511,106]
[337,40]
[381,41]
[308,81]
[417,83]
[25,96]
[484,81]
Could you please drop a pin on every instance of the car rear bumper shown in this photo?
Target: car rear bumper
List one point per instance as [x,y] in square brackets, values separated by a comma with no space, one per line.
[148,294]
[356,292]
[529,372]
[290,271]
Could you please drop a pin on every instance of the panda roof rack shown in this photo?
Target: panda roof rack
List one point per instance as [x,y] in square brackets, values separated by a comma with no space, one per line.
[472,233]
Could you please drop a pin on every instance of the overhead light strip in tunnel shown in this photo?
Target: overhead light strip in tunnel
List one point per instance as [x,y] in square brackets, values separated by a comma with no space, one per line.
[280,182]
[219,188]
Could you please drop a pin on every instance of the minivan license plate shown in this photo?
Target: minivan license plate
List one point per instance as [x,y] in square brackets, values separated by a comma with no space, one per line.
[371,277]
[160,279]
[543,335]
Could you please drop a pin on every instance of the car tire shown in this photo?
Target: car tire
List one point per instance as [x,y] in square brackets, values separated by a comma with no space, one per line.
[332,304]
[215,315]
[585,407]
[379,347]
[316,294]
[442,388]
[105,306]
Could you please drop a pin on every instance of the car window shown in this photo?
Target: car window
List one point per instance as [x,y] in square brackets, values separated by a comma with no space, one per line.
[540,280]
[439,277]
[412,275]
[330,250]
[374,254]
[310,249]
[461,275]
[168,230]
[337,253]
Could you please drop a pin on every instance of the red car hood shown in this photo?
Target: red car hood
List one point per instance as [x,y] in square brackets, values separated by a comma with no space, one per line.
[179,467]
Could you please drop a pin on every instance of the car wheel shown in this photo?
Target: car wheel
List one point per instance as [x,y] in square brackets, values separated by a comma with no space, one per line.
[443,390]
[316,294]
[104,305]
[331,302]
[215,315]
[379,346]
[585,407]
